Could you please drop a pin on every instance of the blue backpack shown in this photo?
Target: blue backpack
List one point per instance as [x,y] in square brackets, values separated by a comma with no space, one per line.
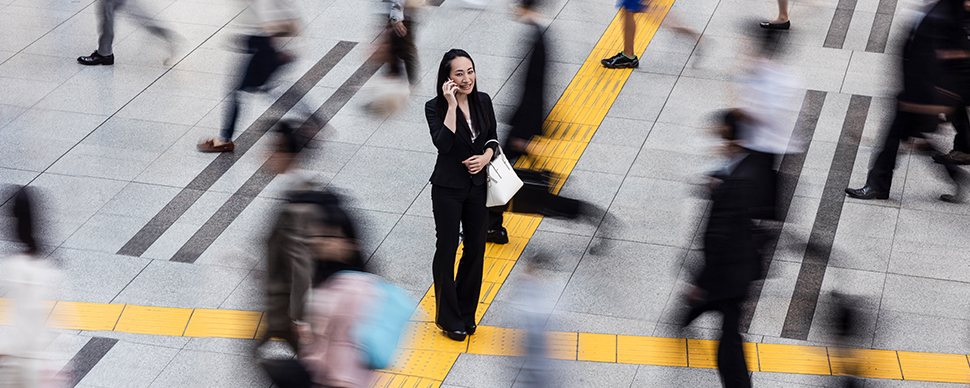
[381,324]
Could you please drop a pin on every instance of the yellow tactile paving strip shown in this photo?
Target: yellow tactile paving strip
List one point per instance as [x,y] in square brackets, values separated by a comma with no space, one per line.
[426,356]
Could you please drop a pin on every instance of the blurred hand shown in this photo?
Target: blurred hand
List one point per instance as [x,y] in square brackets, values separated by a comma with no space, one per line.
[399,28]
[303,333]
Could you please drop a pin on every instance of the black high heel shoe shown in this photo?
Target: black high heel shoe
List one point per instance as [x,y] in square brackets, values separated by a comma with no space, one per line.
[457,335]
[776,26]
[471,329]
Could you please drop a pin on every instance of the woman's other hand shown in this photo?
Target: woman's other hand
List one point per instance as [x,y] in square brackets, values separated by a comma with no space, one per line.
[476,163]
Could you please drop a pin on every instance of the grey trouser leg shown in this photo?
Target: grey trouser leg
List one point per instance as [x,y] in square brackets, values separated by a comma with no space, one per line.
[107,19]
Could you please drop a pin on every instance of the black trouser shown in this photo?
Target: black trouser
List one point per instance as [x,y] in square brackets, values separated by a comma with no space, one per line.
[904,125]
[960,121]
[730,352]
[287,373]
[457,296]
[403,50]
[264,62]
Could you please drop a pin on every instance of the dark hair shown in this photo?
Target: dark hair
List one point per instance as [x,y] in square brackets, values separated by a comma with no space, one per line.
[731,120]
[23,211]
[529,4]
[444,73]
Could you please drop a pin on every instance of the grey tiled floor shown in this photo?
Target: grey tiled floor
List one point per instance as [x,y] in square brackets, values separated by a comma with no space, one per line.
[111,146]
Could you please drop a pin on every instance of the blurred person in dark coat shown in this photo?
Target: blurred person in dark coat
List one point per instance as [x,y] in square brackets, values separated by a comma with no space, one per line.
[731,259]
[935,62]
[527,120]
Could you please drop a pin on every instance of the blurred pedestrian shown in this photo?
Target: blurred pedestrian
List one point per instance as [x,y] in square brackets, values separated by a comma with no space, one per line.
[403,60]
[765,98]
[731,259]
[28,281]
[399,53]
[627,58]
[104,55]
[461,120]
[781,22]
[847,330]
[534,307]
[330,355]
[934,82]
[289,259]
[268,21]
[528,117]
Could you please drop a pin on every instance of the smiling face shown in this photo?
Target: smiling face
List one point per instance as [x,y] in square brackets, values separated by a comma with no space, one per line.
[463,74]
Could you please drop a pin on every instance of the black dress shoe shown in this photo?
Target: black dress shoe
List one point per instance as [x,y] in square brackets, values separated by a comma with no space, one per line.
[456,335]
[97,59]
[866,193]
[776,26]
[499,236]
[471,329]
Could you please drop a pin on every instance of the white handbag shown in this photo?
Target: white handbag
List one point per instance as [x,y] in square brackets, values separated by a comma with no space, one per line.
[502,181]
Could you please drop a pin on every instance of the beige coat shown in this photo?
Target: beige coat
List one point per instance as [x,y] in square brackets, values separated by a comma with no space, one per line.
[289,264]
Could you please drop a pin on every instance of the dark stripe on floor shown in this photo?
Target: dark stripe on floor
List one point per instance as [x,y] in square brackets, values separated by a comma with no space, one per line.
[835,38]
[804,299]
[435,3]
[226,214]
[90,355]
[148,234]
[788,173]
[879,34]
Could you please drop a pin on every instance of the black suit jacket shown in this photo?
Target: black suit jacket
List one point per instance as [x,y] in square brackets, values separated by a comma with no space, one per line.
[455,147]
[731,260]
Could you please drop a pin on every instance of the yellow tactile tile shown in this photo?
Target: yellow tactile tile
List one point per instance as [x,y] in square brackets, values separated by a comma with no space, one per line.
[423,363]
[496,270]
[562,345]
[597,347]
[223,323]
[427,336]
[879,364]
[651,350]
[489,290]
[497,341]
[701,353]
[153,320]
[425,310]
[751,356]
[85,316]
[794,359]
[947,368]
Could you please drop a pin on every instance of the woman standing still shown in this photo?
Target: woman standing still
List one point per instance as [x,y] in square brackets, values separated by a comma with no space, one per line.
[462,121]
